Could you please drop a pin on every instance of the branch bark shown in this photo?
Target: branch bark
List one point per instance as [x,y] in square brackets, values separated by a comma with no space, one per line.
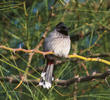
[58,82]
[83,79]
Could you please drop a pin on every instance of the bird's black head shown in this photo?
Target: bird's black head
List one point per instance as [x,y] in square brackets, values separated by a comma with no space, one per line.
[61,27]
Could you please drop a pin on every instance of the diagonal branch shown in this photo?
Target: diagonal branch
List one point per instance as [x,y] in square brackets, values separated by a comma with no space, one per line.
[83,79]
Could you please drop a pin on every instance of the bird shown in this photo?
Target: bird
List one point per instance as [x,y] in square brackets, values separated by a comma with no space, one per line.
[58,41]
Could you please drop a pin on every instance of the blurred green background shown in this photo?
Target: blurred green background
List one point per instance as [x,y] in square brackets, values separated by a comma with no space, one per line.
[23,23]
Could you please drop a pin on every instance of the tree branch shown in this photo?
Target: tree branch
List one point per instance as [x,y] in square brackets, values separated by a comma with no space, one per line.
[83,79]
[58,82]
[46,53]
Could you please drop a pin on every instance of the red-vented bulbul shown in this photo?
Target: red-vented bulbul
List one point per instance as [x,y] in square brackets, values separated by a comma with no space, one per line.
[58,41]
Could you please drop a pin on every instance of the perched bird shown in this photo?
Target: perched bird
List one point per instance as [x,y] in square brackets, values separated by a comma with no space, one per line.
[58,41]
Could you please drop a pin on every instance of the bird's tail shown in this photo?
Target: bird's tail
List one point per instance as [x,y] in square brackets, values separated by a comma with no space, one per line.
[47,75]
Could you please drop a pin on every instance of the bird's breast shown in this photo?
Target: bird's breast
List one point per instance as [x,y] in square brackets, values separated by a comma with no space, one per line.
[59,45]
